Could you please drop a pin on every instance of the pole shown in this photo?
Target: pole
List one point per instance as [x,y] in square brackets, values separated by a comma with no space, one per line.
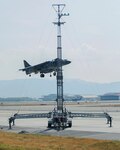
[59,8]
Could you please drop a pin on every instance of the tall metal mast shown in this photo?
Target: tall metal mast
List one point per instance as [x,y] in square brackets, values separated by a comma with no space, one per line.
[59,9]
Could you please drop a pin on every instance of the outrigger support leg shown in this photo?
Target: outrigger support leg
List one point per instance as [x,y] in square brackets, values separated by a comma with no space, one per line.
[11,120]
[109,119]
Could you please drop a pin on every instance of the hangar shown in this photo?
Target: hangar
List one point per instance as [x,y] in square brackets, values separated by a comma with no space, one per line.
[110,96]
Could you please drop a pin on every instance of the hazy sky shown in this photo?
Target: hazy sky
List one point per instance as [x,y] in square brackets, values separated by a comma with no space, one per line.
[90,37]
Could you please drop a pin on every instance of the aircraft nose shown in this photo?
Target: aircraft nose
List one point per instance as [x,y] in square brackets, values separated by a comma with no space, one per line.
[68,62]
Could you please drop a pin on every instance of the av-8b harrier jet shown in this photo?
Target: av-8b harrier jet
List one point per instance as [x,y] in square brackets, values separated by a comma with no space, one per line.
[45,67]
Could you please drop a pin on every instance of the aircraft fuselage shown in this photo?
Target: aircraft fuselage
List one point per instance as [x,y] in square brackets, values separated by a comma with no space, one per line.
[46,67]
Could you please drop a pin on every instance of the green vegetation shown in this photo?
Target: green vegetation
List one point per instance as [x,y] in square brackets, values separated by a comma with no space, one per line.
[13,141]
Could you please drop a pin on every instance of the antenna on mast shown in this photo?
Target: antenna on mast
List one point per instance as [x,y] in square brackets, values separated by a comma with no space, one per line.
[59,9]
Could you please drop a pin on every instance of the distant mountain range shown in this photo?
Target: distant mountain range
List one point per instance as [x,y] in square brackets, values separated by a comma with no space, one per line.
[38,87]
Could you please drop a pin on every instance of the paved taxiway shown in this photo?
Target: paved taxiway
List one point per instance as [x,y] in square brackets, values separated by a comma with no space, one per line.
[82,127]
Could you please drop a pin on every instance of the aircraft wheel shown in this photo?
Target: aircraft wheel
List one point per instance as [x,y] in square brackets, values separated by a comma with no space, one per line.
[54,73]
[42,75]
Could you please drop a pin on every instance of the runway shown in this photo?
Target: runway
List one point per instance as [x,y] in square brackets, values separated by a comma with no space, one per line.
[82,127]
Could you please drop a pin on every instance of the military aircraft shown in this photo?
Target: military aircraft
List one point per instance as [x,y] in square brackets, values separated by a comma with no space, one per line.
[46,67]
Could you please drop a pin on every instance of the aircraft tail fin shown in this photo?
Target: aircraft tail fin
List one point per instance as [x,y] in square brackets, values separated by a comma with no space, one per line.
[27,68]
[26,64]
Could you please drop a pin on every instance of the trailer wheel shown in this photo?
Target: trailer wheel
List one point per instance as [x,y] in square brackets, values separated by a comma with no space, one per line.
[70,124]
[49,125]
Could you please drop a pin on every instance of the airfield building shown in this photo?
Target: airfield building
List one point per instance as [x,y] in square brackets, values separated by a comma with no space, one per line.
[110,96]
[52,97]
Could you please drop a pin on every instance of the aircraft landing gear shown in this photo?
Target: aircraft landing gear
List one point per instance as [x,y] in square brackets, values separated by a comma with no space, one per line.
[42,75]
[54,73]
